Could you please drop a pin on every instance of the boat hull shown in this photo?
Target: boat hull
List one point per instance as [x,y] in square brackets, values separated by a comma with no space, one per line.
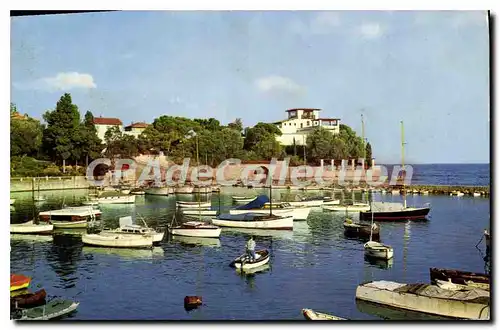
[311,315]
[18,282]
[347,208]
[164,191]
[413,214]
[29,228]
[361,231]
[52,310]
[263,259]
[197,232]
[118,241]
[379,251]
[128,199]
[284,223]
[198,212]
[392,295]
[29,299]
[184,190]
[297,213]
[457,276]
[70,224]
[193,205]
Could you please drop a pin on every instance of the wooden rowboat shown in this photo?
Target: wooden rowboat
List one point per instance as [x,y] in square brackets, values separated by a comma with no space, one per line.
[243,262]
[52,310]
[311,315]
[458,276]
[18,282]
[28,299]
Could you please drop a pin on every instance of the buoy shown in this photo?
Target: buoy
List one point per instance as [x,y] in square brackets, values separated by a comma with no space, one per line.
[191,302]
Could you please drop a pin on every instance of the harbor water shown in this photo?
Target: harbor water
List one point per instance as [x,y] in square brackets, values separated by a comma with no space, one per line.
[313,266]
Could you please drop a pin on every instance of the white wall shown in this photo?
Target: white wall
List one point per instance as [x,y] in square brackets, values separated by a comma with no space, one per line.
[101,130]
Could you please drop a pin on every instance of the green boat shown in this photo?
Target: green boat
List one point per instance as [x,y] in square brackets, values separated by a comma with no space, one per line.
[51,310]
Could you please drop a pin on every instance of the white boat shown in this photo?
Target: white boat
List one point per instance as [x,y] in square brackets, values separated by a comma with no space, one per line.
[254,221]
[356,207]
[137,192]
[118,199]
[425,298]
[118,240]
[128,228]
[476,194]
[243,262]
[70,217]
[241,199]
[377,250]
[32,238]
[162,191]
[31,228]
[193,205]
[54,309]
[184,190]
[198,212]
[90,203]
[313,202]
[311,315]
[155,252]
[125,191]
[196,229]
[12,201]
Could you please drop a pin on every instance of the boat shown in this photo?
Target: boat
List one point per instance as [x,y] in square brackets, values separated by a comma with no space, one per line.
[70,217]
[389,211]
[202,190]
[28,299]
[162,191]
[118,240]
[242,262]
[476,194]
[12,201]
[311,315]
[254,221]
[377,250]
[31,237]
[52,310]
[385,312]
[355,207]
[314,202]
[39,199]
[114,199]
[196,229]
[458,276]
[90,203]
[487,239]
[126,227]
[427,298]
[30,228]
[198,212]
[242,199]
[184,190]
[193,205]
[449,285]
[19,281]
[137,191]
[259,206]
[359,230]
[194,241]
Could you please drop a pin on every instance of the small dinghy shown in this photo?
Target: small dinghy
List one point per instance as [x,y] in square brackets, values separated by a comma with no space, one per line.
[196,229]
[31,228]
[52,310]
[311,315]
[243,199]
[377,250]
[193,205]
[28,299]
[243,262]
[359,230]
[459,277]
[19,281]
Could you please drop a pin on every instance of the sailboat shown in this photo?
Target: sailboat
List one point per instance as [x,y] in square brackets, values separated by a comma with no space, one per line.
[38,198]
[376,249]
[381,211]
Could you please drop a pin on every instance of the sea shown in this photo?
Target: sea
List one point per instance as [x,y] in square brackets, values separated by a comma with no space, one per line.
[312,266]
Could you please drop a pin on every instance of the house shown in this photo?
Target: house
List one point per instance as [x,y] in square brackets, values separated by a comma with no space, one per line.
[102,124]
[17,116]
[135,129]
[301,122]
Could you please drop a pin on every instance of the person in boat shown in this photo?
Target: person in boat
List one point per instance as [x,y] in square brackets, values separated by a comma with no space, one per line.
[251,248]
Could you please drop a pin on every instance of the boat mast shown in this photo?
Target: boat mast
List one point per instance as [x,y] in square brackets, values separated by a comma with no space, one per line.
[403,162]
[371,228]
[364,147]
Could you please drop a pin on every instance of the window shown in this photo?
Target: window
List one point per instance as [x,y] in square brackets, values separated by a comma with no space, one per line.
[294,124]
[308,123]
[301,125]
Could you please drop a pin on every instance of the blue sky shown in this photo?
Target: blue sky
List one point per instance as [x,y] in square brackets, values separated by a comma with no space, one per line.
[429,69]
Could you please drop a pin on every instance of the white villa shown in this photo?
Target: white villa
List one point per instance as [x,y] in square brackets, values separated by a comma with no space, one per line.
[103,124]
[301,122]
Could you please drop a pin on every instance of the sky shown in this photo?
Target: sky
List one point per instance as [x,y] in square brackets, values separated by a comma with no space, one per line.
[428,69]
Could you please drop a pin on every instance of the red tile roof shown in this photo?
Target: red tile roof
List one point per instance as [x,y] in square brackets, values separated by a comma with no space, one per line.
[307,109]
[107,121]
[138,125]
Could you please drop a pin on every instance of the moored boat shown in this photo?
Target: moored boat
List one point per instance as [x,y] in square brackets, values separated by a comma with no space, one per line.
[30,228]
[196,229]
[243,199]
[312,315]
[425,298]
[70,217]
[259,206]
[360,230]
[378,250]
[19,281]
[193,205]
[28,299]
[118,240]
[162,191]
[356,207]
[385,211]
[255,221]
[243,262]
[52,310]
[201,212]
[128,228]
[184,190]
[458,276]
[114,199]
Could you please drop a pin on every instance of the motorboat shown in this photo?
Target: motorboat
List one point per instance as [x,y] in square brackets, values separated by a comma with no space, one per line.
[70,217]
[128,228]
[196,229]
[254,221]
[118,240]
[259,206]
[30,228]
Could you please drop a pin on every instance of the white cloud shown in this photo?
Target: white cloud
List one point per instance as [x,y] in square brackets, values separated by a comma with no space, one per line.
[69,80]
[371,30]
[274,83]
[322,23]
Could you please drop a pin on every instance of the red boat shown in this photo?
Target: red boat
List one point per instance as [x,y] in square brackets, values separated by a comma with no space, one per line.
[18,282]
[29,299]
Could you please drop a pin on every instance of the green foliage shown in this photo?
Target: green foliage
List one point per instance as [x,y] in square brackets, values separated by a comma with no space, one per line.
[119,144]
[369,154]
[89,142]
[261,139]
[210,124]
[25,136]
[237,125]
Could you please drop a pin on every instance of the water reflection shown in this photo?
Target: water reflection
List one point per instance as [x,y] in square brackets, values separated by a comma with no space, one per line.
[247,232]
[156,252]
[380,263]
[64,256]
[390,313]
[196,241]
[31,238]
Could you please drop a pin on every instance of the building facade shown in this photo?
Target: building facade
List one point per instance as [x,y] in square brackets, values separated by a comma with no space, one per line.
[103,124]
[301,122]
[135,129]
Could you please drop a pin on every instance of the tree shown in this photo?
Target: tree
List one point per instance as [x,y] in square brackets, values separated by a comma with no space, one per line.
[259,132]
[237,125]
[25,136]
[91,145]
[210,124]
[369,154]
[320,144]
[353,143]
[60,138]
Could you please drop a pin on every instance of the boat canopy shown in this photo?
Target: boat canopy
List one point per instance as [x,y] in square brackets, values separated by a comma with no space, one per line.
[257,203]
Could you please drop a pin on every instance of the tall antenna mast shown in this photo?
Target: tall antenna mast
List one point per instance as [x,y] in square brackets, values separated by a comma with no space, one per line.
[403,161]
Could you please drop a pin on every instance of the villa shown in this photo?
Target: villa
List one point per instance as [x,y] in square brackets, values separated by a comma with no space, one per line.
[102,124]
[301,122]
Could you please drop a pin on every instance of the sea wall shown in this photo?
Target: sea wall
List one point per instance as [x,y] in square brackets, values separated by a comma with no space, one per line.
[48,183]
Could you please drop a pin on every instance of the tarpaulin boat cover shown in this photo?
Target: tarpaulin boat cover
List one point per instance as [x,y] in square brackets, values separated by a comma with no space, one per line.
[433,291]
[257,203]
[386,207]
